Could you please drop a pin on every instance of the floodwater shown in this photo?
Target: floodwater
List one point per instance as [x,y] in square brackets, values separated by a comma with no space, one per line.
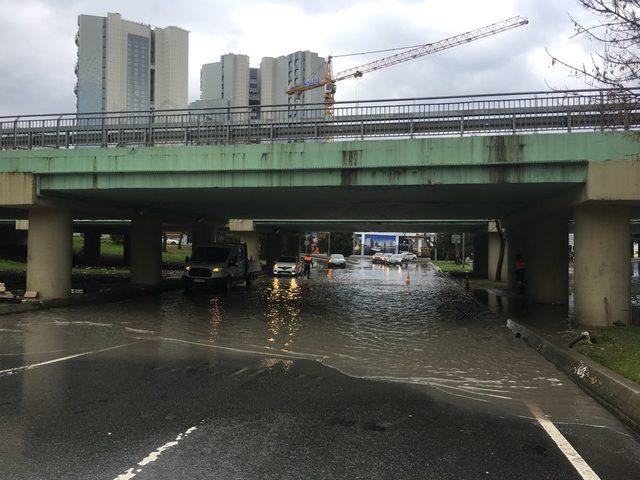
[409,325]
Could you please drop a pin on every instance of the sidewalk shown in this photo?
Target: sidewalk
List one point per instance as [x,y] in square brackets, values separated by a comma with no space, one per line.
[104,295]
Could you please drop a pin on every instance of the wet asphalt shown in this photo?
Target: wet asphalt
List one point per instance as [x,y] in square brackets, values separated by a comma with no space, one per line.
[252,386]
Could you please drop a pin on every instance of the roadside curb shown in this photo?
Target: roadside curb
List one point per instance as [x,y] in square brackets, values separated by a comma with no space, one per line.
[618,394]
[437,268]
[106,296]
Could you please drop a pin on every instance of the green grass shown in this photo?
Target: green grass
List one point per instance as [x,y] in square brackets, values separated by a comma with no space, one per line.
[450,266]
[486,283]
[111,249]
[12,266]
[108,251]
[617,348]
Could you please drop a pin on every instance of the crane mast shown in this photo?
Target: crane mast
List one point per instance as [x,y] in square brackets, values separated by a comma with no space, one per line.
[329,79]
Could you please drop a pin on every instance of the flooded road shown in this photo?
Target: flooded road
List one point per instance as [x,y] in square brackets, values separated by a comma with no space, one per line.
[413,327]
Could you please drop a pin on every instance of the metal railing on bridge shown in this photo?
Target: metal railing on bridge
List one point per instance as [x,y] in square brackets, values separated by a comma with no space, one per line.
[493,114]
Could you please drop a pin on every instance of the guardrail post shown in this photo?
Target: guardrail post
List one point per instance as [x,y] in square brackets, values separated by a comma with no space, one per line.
[103,140]
[569,122]
[149,140]
[361,129]
[15,133]
[271,132]
[58,132]
[602,121]
[199,122]
[411,128]
[513,123]
[461,125]
[185,127]
[30,137]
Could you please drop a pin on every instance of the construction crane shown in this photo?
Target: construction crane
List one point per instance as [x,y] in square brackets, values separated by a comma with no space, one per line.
[410,53]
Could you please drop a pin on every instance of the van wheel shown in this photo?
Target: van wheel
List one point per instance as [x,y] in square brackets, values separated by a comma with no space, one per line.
[227,285]
[188,285]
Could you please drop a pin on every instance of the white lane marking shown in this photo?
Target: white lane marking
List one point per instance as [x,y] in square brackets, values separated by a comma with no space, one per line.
[139,330]
[563,444]
[153,456]
[65,323]
[275,354]
[11,371]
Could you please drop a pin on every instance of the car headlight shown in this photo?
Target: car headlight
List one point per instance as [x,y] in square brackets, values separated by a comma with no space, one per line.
[215,270]
[275,266]
[187,268]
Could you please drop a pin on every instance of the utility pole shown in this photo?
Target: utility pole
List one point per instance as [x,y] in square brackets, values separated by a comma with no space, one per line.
[329,244]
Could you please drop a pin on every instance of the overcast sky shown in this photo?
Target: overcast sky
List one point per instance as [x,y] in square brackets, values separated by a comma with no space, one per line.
[38,53]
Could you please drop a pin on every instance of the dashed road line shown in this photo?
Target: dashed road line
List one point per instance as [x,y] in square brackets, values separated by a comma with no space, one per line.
[153,456]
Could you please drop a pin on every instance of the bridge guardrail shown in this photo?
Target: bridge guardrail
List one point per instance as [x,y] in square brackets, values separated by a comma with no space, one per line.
[528,112]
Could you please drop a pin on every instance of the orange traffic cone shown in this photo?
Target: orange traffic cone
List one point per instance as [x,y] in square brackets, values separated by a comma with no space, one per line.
[408,280]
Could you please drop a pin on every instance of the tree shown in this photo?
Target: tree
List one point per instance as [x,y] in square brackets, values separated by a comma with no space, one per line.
[341,242]
[616,62]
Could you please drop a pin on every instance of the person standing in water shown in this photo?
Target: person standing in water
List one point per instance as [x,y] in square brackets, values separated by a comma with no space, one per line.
[308,261]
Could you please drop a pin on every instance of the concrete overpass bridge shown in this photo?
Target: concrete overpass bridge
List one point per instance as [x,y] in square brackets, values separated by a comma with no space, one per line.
[533,161]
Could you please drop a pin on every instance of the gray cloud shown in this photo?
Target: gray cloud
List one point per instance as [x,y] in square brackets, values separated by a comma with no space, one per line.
[36,66]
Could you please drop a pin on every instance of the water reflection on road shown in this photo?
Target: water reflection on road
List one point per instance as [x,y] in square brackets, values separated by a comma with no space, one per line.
[408,325]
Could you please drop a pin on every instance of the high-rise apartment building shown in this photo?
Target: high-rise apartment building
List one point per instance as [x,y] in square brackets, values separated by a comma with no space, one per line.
[231,82]
[225,83]
[281,73]
[124,65]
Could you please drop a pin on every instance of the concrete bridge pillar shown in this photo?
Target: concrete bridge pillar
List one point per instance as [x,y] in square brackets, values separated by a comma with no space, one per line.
[274,246]
[481,255]
[252,239]
[516,245]
[493,251]
[546,259]
[602,264]
[91,247]
[146,250]
[50,252]
[293,244]
[126,249]
[203,233]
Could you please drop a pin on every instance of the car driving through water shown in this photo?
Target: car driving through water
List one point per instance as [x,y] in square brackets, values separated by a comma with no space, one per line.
[287,265]
[337,260]
[218,265]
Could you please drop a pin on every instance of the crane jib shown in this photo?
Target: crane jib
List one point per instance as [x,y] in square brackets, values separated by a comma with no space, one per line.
[406,55]
[434,47]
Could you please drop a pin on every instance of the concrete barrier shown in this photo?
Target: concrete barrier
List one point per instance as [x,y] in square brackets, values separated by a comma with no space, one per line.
[618,394]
